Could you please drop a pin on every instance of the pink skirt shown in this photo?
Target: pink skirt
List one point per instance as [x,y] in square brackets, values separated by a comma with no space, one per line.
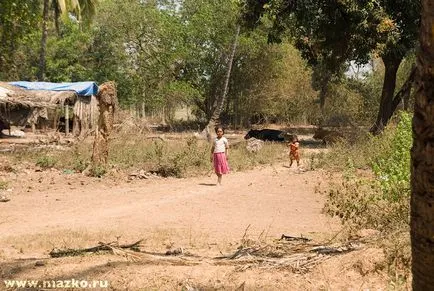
[220,163]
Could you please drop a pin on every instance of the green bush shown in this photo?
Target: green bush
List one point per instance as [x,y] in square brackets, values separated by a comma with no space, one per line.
[359,203]
[375,193]
[375,190]
[46,161]
[97,171]
[3,185]
[392,167]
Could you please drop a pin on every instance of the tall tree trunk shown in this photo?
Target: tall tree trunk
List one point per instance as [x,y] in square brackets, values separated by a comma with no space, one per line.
[41,72]
[404,93]
[323,91]
[422,158]
[220,101]
[56,17]
[391,65]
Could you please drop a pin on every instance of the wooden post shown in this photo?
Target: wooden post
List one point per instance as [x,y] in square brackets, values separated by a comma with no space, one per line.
[66,120]
[143,110]
[132,110]
[56,119]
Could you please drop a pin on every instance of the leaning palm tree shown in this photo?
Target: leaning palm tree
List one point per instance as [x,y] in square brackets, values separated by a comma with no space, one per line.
[220,100]
[422,158]
[82,9]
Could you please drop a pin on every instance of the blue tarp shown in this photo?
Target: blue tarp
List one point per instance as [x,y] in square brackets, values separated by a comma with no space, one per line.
[81,88]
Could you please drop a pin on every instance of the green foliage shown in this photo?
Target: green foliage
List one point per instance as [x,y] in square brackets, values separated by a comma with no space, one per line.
[330,34]
[271,81]
[97,171]
[373,191]
[142,50]
[188,159]
[46,161]
[17,21]
[393,166]
[209,31]
[176,93]
[67,57]
[362,202]
[344,106]
[3,185]
[359,204]
[369,88]
[374,187]
[79,160]
[164,58]
[80,165]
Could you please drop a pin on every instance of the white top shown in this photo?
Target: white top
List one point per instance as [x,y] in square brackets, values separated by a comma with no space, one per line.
[220,145]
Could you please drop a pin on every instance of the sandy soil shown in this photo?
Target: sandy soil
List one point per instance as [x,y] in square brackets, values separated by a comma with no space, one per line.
[52,209]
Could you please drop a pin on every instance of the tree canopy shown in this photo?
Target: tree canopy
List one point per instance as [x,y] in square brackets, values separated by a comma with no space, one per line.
[167,54]
[330,34]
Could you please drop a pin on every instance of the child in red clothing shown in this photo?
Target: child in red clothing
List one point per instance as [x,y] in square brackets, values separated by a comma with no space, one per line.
[294,153]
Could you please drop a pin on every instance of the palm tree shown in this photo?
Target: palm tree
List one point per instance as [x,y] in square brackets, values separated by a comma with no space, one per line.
[422,158]
[41,71]
[83,9]
[220,100]
[87,10]
[62,7]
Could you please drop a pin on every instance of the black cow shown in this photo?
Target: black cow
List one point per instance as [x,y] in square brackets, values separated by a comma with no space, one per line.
[266,134]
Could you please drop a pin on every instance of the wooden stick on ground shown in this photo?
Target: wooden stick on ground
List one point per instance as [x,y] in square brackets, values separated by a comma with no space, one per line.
[292,238]
[56,253]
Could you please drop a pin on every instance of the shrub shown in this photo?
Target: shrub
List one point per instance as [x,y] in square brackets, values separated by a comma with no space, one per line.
[359,202]
[392,167]
[97,171]
[3,185]
[378,196]
[46,161]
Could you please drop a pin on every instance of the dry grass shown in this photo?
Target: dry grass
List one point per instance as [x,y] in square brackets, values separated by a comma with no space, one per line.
[169,154]
[357,196]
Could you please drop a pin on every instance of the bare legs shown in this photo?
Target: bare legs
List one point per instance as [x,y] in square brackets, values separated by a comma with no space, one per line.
[219,179]
[291,161]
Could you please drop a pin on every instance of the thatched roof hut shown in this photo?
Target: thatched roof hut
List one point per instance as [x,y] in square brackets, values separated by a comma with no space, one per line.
[26,103]
[16,96]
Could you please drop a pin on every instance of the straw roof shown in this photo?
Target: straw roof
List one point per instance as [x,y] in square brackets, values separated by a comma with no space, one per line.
[13,95]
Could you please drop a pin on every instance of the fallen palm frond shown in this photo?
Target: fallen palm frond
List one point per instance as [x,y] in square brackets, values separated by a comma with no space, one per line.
[296,254]
[56,253]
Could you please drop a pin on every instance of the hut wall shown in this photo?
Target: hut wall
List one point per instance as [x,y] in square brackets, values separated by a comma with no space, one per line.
[85,115]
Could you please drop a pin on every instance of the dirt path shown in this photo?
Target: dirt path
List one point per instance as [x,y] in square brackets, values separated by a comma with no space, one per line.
[54,209]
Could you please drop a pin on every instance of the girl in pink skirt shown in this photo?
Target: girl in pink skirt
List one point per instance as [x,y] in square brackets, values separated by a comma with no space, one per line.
[220,154]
